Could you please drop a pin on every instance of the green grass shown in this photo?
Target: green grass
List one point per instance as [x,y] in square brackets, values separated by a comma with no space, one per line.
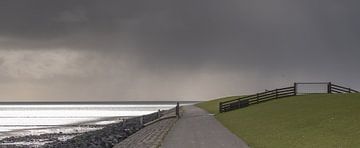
[212,106]
[311,121]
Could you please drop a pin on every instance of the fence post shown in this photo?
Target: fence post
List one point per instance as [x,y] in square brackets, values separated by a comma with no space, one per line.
[158,113]
[220,105]
[295,89]
[177,110]
[124,123]
[142,121]
[257,97]
[276,93]
[349,90]
[329,88]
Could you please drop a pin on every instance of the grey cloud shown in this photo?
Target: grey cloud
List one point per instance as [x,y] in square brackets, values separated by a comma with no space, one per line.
[74,16]
[263,42]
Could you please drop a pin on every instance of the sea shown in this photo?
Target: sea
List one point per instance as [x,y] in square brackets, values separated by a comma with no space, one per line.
[28,118]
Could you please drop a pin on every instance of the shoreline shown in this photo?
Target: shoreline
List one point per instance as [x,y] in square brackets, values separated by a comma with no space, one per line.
[107,136]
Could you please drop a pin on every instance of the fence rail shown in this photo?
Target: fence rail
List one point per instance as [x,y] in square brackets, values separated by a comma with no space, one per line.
[275,94]
[340,89]
[256,98]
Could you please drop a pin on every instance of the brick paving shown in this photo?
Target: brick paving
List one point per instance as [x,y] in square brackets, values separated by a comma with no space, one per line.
[150,136]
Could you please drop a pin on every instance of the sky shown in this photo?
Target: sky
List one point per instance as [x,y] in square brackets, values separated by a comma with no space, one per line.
[132,50]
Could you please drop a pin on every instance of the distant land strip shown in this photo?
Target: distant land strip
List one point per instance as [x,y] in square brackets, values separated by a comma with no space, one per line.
[96,102]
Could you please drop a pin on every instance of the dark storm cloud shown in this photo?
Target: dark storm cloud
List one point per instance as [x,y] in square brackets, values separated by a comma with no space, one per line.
[267,42]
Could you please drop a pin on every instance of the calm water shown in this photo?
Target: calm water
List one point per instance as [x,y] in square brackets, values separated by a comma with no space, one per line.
[25,119]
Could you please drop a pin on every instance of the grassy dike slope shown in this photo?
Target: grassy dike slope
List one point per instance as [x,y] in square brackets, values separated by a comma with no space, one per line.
[310,121]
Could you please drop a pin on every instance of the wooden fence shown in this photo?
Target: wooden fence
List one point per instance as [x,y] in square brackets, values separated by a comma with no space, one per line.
[274,94]
[340,89]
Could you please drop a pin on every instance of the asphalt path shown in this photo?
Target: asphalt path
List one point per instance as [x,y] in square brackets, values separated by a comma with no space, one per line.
[199,129]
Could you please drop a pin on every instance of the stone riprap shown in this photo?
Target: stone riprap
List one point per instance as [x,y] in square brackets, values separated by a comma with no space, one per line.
[108,136]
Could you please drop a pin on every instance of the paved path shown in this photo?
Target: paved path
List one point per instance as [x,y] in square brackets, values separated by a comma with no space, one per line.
[197,129]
